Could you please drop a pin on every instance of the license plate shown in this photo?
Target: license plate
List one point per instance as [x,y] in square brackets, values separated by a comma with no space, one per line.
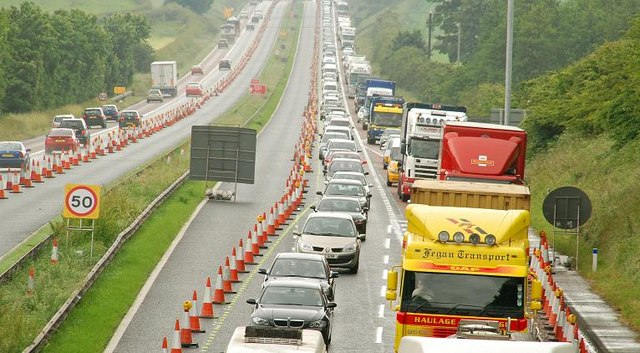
[7,155]
[60,140]
[331,256]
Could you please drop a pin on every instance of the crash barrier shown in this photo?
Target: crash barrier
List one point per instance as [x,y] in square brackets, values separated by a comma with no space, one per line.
[269,223]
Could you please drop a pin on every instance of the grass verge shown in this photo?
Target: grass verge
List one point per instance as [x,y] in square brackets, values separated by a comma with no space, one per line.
[91,324]
[604,174]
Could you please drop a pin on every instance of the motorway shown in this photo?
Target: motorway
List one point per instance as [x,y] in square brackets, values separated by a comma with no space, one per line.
[35,207]
[209,237]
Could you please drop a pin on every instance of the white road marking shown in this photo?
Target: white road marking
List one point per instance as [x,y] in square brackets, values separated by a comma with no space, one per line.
[379,335]
[381,310]
[383,291]
[387,243]
[374,151]
[389,228]
[385,259]
[384,274]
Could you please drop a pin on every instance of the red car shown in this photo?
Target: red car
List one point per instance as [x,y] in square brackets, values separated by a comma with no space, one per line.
[194,89]
[61,139]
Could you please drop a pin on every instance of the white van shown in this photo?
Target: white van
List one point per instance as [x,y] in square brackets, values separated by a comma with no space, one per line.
[332,68]
[414,344]
[254,339]
[341,129]
[330,86]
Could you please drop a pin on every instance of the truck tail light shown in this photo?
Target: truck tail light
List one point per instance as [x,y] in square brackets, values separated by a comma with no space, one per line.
[518,325]
[401,317]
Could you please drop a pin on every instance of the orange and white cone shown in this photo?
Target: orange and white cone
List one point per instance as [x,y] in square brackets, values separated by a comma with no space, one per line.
[176,346]
[248,253]
[164,346]
[239,259]
[2,195]
[271,226]
[226,278]
[255,247]
[264,224]
[54,252]
[257,233]
[194,320]
[207,305]
[218,293]
[233,270]
[31,285]
[186,339]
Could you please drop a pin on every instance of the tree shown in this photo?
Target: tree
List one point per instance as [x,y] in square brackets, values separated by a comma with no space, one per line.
[126,34]
[408,39]
[197,6]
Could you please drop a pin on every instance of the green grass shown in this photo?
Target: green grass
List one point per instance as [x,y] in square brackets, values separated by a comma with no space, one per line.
[609,177]
[96,7]
[113,293]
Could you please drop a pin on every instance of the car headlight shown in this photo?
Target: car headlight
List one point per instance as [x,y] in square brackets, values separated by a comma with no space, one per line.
[260,321]
[349,248]
[317,324]
[305,246]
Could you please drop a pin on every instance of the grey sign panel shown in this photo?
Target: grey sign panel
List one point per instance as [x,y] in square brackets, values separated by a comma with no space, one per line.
[567,207]
[515,118]
[223,153]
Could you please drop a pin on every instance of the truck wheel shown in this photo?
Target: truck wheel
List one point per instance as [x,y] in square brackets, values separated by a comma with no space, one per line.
[404,197]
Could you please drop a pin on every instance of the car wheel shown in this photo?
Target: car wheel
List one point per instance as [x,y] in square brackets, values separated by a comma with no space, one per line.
[104,125]
[384,166]
[354,269]
[389,183]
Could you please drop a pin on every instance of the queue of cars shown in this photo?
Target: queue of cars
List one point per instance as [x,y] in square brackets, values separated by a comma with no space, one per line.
[299,288]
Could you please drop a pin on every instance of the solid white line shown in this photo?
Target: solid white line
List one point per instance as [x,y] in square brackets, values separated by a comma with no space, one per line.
[383,291]
[381,310]
[379,335]
[387,243]
[115,339]
[385,259]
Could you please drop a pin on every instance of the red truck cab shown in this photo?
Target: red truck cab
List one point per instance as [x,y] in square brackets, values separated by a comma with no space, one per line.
[472,151]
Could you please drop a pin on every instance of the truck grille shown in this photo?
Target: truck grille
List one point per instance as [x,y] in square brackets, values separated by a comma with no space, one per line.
[424,172]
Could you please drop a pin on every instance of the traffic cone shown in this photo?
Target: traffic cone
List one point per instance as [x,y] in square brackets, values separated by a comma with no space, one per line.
[226,278]
[255,248]
[176,346]
[31,284]
[15,187]
[257,232]
[2,195]
[186,339]
[54,252]
[233,269]
[264,225]
[248,253]
[194,320]
[239,259]
[271,226]
[164,345]
[207,306]
[218,293]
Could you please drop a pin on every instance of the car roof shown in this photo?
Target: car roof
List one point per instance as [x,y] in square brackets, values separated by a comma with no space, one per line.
[300,255]
[344,181]
[342,198]
[348,172]
[72,119]
[129,111]
[300,283]
[61,129]
[322,214]
[343,140]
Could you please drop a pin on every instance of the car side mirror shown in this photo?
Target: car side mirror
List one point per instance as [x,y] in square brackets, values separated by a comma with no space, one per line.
[334,274]
[366,173]
[369,195]
[262,271]
[331,305]
[365,208]
[252,301]
[362,237]
[313,207]
[370,185]
[319,193]
[28,149]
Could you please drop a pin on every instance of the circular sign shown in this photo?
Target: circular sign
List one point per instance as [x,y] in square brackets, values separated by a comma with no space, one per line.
[81,201]
[103,96]
[566,207]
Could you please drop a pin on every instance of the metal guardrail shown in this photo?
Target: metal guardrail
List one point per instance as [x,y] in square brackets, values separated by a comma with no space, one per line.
[41,339]
[122,96]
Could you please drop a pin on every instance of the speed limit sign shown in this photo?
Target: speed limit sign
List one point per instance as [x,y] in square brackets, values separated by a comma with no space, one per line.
[81,201]
[102,96]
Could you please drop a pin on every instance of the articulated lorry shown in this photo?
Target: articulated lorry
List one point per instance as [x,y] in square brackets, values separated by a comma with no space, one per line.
[358,69]
[421,133]
[385,113]
[375,86]
[462,265]
[483,152]
[164,76]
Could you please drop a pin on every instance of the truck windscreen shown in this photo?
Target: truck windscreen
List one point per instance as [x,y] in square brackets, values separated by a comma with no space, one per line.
[462,294]
[420,148]
[386,119]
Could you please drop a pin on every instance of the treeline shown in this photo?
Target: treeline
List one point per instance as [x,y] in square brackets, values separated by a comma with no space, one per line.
[548,35]
[48,60]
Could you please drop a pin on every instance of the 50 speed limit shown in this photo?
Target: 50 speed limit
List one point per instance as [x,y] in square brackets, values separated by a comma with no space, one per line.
[81,201]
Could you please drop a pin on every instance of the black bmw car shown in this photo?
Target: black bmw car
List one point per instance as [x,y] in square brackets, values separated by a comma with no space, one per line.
[293,304]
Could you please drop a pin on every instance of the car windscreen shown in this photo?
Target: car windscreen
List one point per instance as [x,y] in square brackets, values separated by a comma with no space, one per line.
[333,135]
[345,166]
[281,295]
[338,205]
[298,268]
[61,133]
[342,145]
[329,226]
[345,190]
[350,176]
[72,124]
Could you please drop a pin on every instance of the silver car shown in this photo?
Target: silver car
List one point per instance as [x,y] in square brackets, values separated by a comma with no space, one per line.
[333,235]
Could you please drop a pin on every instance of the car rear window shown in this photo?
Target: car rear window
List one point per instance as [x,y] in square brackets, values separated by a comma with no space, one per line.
[61,132]
[72,124]
[10,146]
